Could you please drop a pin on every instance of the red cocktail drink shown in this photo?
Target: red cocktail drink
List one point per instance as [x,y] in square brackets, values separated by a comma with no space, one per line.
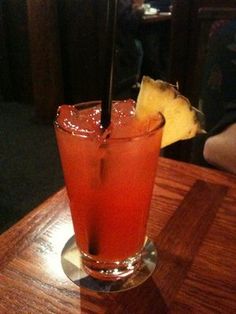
[109,176]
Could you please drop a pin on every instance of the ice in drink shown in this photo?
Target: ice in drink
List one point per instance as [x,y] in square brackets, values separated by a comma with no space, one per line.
[109,177]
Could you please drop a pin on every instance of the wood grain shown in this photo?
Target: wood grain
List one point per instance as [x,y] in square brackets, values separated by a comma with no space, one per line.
[193,223]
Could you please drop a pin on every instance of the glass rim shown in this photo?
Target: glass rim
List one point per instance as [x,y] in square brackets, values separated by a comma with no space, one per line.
[88,104]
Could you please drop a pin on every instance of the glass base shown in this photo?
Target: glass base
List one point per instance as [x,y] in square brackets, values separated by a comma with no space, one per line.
[130,274]
[111,271]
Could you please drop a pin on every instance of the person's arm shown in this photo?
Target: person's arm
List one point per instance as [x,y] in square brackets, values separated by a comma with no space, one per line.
[220,149]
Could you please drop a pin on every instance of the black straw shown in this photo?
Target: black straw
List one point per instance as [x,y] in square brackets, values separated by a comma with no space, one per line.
[110,39]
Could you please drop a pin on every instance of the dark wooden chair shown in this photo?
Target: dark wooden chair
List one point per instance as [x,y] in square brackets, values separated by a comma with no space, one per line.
[45,58]
[191,21]
[54,51]
[67,52]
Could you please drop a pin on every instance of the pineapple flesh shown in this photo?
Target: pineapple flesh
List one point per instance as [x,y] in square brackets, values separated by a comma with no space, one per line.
[181,119]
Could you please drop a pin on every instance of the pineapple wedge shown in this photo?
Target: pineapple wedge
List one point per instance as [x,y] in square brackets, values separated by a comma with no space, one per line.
[181,118]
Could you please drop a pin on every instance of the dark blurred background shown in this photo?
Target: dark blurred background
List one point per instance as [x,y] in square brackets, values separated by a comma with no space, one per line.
[52,52]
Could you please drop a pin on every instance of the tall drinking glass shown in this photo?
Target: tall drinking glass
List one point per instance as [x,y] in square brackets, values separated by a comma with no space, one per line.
[109,176]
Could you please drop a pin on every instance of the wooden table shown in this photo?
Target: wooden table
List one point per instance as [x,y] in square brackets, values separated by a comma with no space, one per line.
[193,224]
[156,18]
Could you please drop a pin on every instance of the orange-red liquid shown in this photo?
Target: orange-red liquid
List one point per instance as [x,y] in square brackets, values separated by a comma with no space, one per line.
[109,181]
